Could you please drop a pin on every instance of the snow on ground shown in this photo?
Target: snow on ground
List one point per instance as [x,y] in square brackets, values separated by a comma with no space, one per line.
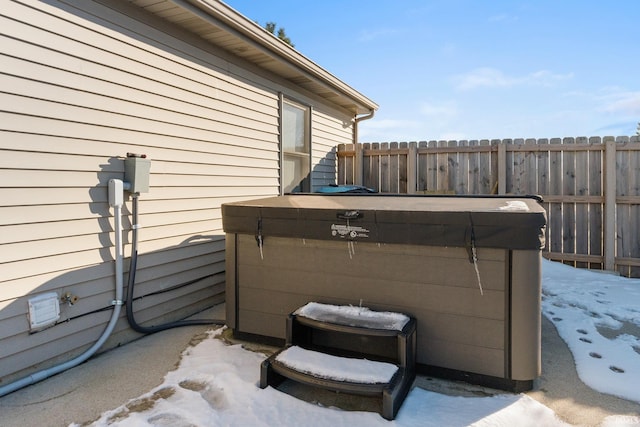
[217,384]
[598,316]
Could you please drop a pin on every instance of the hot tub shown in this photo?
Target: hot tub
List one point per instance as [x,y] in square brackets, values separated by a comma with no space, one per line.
[467,268]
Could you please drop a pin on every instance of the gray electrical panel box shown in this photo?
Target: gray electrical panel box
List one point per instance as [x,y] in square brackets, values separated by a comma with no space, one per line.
[136,173]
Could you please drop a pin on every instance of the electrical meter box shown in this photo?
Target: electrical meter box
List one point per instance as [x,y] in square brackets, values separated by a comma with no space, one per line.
[136,173]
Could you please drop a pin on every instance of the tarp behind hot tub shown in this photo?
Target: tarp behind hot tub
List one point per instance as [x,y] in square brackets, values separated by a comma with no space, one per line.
[479,318]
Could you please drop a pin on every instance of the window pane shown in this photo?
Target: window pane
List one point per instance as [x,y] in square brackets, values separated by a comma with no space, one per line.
[295,174]
[296,153]
[293,127]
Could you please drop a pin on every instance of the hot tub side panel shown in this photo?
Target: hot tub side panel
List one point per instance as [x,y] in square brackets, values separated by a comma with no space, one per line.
[458,328]
[231,291]
[525,326]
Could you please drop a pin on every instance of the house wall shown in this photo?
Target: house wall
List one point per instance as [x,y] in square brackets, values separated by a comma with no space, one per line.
[83,83]
[326,131]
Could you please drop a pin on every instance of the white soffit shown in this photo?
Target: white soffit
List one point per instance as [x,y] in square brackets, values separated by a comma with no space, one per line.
[222,26]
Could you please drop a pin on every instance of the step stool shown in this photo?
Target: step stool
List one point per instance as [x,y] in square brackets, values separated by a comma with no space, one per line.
[347,349]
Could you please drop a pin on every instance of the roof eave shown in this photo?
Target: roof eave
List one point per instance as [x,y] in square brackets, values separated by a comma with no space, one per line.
[299,69]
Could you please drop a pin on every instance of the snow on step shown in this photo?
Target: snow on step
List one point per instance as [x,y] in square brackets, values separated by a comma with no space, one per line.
[353,316]
[336,368]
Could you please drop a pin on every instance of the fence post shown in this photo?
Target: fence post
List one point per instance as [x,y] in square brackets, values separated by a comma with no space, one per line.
[502,168]
[412,168]
[610,204]
[358,161]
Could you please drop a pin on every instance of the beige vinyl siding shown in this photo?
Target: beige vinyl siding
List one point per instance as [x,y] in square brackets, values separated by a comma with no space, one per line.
[329,129]
[82,85]
[77,96]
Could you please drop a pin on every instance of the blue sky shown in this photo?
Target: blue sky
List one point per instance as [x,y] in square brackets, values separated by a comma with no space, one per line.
[472,69]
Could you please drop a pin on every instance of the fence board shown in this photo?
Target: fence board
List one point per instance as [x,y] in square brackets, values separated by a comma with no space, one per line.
[366,166]
[484,170]
[394,176]
[609,209]
[531,169]
[494,166]
[375,168]
[412,168]
[443,167]
[473,169]
[384,169]
[402,168]
[341,164]
[622,209]
[349,169]
[596,219]
[555,209]
[542,176]
[461,170]
[517,170]
[630,236]
[423,167]
[542,160]
[582,209]
[568,208]
[433,168]
[521,177]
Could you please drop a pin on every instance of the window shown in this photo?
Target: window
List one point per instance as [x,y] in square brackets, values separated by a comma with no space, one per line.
[296,147]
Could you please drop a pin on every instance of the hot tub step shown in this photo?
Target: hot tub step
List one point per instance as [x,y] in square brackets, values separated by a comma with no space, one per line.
[344,374]
[347,349]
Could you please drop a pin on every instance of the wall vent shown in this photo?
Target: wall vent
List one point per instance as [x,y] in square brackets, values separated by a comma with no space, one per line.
[44,310]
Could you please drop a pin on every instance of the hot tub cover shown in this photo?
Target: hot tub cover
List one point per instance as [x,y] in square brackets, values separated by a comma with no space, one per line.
[496,222]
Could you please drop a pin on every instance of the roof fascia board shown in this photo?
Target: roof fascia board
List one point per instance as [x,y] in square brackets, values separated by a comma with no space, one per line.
[239,25]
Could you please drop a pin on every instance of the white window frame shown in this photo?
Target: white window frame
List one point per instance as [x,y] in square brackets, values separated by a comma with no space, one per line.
[295,154]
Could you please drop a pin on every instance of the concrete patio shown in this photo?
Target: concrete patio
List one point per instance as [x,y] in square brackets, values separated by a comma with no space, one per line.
[82,394]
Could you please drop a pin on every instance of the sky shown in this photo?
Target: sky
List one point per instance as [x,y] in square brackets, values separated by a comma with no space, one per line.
[466,69]
[596,314]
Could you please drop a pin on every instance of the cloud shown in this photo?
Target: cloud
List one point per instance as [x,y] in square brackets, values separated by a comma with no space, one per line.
[448,49]
[384,124]
[492,77]
[370,35]
[503,17]
[609,99]
[452,136]
[623,103]
[620,128]
[380,130]
[443,111]
[425,122]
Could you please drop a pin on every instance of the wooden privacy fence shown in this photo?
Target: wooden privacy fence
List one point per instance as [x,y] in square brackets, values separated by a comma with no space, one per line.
[590,186]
